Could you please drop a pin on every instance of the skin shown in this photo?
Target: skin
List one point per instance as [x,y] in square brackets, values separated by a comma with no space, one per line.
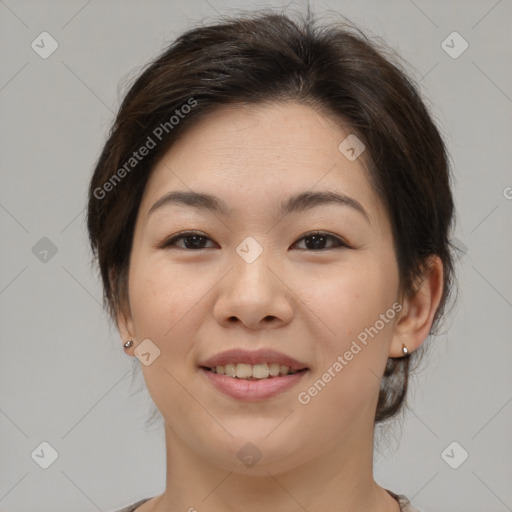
[308,302]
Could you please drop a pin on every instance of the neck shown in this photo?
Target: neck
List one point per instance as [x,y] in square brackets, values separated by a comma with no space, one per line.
[341,480]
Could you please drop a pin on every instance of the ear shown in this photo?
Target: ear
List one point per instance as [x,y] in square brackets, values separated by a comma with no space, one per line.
[124,317]
[417,315]
[125,323]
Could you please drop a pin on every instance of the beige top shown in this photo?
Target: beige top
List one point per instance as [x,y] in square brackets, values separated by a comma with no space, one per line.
[405,504]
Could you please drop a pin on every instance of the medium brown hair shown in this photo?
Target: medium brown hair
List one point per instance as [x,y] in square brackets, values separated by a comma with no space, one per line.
[265,57]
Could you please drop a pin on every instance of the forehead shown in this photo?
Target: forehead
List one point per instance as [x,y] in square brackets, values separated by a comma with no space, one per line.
[253,156]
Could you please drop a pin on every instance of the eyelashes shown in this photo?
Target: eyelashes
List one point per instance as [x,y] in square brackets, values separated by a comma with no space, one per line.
[187,235]
[195,241]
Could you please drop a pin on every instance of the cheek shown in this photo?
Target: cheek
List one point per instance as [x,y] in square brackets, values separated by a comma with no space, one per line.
[162,294]
[352,351]
[165,304]
[350,303]
[350,298]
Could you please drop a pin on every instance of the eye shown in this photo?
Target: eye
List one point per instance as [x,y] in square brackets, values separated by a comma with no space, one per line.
[317,240]
[191,240]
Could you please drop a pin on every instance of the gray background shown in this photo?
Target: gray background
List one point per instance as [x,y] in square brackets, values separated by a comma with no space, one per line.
[64,377]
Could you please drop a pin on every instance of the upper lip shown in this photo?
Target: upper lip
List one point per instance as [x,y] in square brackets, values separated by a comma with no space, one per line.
[252,357]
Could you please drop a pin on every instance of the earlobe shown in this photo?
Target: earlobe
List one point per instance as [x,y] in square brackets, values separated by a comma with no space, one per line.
[415,321]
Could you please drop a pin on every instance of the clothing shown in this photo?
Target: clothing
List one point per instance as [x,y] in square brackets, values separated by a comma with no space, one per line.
[405,504]
[131,508]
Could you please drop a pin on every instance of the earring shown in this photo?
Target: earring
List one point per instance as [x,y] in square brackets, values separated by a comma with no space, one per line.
[128,344]
[404,350]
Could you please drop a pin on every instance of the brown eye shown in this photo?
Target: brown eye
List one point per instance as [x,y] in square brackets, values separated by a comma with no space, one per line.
[314,241]
[317,240]
[191,241]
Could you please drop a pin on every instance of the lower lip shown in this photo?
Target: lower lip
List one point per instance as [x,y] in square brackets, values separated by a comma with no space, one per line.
[253,390]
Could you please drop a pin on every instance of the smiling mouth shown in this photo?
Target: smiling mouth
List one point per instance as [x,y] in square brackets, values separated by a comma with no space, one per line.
[263,371]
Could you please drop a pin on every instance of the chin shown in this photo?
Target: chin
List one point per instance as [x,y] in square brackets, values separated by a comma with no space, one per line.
[256,455]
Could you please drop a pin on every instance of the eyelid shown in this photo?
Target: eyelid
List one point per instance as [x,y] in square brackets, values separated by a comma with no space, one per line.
[179,236]
[340,241]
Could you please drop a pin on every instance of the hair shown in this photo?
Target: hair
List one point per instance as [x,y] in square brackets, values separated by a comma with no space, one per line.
[264,57]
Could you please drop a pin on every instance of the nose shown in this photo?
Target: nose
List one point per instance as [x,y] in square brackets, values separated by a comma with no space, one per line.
[254,295]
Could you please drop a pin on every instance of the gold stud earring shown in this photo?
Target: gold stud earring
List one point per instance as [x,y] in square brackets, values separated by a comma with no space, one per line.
[128,344]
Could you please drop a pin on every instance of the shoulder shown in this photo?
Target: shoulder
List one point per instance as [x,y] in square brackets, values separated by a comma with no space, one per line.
[403,501]
[133,506]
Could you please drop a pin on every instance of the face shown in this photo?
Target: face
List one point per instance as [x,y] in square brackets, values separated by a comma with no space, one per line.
[255,276]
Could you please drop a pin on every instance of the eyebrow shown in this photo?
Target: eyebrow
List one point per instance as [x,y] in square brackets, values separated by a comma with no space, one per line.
[297,203]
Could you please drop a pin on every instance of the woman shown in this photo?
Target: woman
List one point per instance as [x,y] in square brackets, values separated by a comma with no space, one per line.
[271,217]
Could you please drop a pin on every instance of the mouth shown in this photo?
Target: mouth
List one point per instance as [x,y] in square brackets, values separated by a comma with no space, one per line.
[252,375]
[251,372]
[239,381]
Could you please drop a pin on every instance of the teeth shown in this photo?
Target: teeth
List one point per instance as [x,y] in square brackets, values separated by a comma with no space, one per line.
[259,371]
[274,369]
[230,370]
[250,371]
[283,370]
[243,371]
